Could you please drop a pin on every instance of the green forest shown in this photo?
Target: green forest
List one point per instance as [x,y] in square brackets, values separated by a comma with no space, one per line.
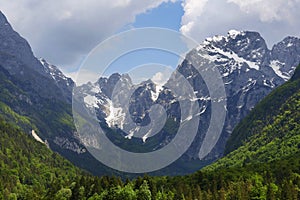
[262,161]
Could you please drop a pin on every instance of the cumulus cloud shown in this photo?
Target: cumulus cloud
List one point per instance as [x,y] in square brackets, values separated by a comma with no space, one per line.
[274,19]
[269,10]
[160,78]
[64,31]
[192,11]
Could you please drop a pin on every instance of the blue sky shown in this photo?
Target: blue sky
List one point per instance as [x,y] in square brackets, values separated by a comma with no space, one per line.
[167,15]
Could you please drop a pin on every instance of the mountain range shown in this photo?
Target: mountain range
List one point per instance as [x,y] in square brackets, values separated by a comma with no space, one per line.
[38,96]
[249,70]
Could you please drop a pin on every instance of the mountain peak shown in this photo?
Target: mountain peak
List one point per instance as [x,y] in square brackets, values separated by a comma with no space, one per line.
[55,73]
[114,75]
[16,47]
[18,59]
[233,35]
[3,19]
[290,38]
[245,46]
[286,52]
[288,42]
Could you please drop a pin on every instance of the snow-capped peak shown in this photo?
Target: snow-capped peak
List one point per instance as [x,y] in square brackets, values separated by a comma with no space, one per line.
[215,38]
[234,33]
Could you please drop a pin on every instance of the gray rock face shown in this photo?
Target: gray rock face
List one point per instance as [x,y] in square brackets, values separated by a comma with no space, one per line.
[286,54]
[12,44]
[64,83]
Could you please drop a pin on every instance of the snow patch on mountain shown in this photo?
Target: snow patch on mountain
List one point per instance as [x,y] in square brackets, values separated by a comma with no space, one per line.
[91,101]
[269,83]
[239,60]
[55,73]
[155,94]
[234,33]
[36,137]
[276,65]
[144,138]
[116,116]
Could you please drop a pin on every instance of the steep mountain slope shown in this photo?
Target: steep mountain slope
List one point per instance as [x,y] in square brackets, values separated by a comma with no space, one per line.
[264,113]
[270,132]
[32,88]
[17,58]
[40,110]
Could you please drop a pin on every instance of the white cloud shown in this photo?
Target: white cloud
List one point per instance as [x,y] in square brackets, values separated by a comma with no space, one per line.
[274,19]
[160,78]
[269,10]
[64,31]
[192,11]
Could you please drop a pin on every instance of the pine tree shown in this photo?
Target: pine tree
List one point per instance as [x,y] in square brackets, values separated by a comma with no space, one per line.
[143,193]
